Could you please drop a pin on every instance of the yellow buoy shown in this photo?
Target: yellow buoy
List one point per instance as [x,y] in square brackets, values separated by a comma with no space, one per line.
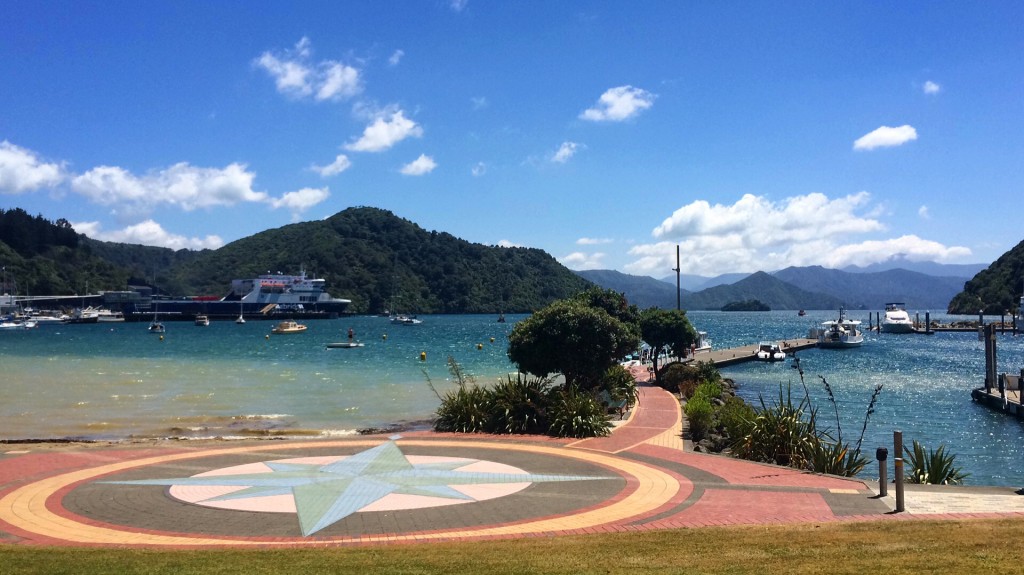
[423,356]
[384,337]
[161,338]
[266,336]
[492,340]
[479,346]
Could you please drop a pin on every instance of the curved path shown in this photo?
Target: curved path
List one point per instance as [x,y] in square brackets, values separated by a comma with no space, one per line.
[420,487]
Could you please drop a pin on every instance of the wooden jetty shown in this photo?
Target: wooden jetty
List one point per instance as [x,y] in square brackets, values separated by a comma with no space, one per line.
[1001,391]
[734,355]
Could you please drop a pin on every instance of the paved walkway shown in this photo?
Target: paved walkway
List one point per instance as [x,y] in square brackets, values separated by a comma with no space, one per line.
[426,487]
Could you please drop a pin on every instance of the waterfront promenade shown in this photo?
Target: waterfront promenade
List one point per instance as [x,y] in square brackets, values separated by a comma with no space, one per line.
[423,486]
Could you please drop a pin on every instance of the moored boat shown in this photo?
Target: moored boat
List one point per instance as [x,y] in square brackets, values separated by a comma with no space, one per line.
[288,326]
[841,333]
[202,320]
[896,319]
[770,351]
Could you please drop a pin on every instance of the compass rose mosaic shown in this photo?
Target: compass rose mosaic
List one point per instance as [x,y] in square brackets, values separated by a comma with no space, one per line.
[324,490]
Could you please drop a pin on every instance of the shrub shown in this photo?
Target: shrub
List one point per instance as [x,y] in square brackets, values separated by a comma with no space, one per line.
[701,416]
[736,417]
[575,413]
[681,378]
[781,434]
[708,390]
[518,405]
[619,384]
[935,467]
[465,409]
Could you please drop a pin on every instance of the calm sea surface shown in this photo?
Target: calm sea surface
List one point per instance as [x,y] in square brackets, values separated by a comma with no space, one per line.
[115,381]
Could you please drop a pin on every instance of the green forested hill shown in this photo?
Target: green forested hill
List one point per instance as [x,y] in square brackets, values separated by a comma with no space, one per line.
[996,289]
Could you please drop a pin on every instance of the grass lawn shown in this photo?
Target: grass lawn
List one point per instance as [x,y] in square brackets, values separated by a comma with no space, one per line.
[890,547]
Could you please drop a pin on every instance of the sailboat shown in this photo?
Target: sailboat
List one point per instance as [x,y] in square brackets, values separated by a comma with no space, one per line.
[155,326]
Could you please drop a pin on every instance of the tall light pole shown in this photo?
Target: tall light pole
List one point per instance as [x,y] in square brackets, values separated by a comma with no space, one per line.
[679,305]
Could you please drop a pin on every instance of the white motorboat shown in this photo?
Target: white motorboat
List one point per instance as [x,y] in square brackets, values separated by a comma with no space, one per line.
[839,333]
[703,343]
[406,320]
[345,344]
[12,324]
[202,320]
[896,319]
[770,351]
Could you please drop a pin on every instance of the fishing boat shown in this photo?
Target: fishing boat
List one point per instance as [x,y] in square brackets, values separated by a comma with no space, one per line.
[287,327]
[841,333]
[896,319]
[770,351]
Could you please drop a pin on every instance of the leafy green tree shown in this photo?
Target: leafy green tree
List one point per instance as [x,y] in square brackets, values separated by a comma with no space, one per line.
[611,301]
[571,338]
[666,330]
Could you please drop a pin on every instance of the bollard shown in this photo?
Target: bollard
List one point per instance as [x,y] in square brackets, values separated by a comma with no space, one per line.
[897,439]
[881,454]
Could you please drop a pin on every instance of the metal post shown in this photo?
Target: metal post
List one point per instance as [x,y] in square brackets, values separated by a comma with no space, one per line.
[927,322]
[881,454]
[897,440]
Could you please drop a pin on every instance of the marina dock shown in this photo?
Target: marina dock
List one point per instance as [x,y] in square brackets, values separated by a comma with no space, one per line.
[742,354]
[1001,391]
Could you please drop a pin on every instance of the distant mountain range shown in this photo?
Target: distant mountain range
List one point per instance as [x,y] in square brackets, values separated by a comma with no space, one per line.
[812,287]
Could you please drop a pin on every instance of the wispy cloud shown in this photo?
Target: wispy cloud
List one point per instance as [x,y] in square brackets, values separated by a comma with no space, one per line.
[297,76]
[583,261]
[147,233]
[931,87]
[923,213]
[22,170]
[619,104]
[458,5]
[420,166]
[593,241]
[301,200]
[565,152]
[479,169]
[479,102]
[388,129]
[396,57]
[339,165]
[886,137]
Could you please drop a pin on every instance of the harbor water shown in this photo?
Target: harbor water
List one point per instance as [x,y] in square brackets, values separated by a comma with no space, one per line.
[116,381]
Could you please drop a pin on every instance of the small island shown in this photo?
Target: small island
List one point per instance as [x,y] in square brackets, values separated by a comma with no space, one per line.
[746,305]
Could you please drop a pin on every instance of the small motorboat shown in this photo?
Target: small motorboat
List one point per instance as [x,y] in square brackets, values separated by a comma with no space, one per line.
[288,326]
[345,344]
[156,327]
[202,320]
[770,351]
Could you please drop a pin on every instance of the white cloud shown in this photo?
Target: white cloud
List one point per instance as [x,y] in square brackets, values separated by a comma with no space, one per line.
[758,234]
[931,87]
[297,76]
[479,102]
[301,200]
[148,233]
[593,241]
[182,185]
[885,137]
[583,261]
[396,57]
[21,170]
[420,166]
[565,152]
[479,169]
[385,131]
[618,104]
[458,5]
[508,244]
[923,213]
[339,165]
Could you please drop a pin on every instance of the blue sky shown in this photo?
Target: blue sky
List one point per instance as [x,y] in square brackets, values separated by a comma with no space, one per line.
[755,135]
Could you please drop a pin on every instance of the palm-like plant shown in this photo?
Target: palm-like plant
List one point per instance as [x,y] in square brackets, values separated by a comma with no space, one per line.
[933,466]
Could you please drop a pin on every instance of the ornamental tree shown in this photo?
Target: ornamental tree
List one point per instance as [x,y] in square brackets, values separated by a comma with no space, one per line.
[666,330]
[571,338]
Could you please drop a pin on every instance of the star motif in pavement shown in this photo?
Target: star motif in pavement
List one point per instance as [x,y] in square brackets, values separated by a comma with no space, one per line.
[326,494]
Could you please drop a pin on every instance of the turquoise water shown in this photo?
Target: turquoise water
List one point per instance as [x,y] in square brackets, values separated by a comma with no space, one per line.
[114,381]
